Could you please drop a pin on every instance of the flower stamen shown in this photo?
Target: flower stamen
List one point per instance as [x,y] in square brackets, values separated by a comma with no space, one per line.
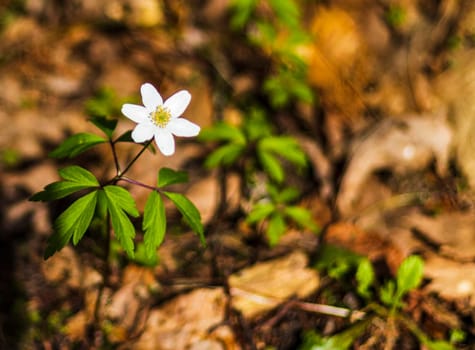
[161,116]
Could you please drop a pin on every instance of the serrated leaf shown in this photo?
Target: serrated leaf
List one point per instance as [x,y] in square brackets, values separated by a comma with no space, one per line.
[105,124]
[154,223]
[119,204]
[76,179]
[364,277]
[76,144]
[271,166]
[259,212]
[302,217]
[79,175]
[223,132]
[275,229]
[72,223]
[167,176]
[190,213]
[409,274]
[224,155]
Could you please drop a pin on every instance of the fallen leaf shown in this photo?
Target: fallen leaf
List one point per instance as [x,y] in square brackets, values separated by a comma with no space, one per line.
[462,106]
[452,232]
[264,286]
[185,322]
[128,304]
[398,145]
[450,279]
[205,195]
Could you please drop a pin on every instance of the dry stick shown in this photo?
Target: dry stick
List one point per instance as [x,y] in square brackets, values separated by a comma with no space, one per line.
[354,315]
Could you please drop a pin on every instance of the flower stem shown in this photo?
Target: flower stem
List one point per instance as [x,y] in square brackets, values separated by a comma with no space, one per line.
[114,153]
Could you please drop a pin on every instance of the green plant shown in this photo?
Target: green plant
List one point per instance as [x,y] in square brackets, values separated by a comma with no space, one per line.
[408,277]
[388,308]
[277,211]
[107,204]
[253,146]
[275,27]
[250,148]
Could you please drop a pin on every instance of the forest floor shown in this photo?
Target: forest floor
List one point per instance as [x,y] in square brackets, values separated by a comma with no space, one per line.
[386,130]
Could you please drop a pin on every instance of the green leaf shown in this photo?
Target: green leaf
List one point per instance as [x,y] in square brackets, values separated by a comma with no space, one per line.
[286,11]
[340,341]
[107,125]
[259,212]
[242,10]
[120,203]
[73,222]
[271,166]
[224,155]
[302,217]
[286,147]
[76,179]
[287,195]
[154,223]
[76,145]
[142,257]
[439,345]
[337,261]
[276,228]
[77,174]
[190,213]
[409,274]
[365,278]
[223,132]
[167,176]
[387,294]
[125,137]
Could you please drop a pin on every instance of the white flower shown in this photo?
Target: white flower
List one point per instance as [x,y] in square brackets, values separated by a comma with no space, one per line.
[160,119]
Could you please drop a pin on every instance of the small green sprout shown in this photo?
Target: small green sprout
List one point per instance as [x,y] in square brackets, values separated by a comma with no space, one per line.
[277,212]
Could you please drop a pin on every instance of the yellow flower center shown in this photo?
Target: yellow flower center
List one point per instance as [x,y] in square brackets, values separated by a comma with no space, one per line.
[161,116]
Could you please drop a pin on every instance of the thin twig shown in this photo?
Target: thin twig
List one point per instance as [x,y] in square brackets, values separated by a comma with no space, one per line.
[306,306]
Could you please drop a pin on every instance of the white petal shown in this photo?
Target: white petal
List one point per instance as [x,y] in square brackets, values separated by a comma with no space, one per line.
[165,141]
[178,102]
[183,127]
[143,132]
[150,96]
[136,113]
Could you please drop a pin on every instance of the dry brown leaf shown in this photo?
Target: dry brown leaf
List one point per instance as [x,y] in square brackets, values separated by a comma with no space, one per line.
[185,322]
[128,303]
[452,232]
[450,279]
[338,63]
[401,146]
[369,244]
[205,195]
[264,286]
[457,88]
[63,268]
